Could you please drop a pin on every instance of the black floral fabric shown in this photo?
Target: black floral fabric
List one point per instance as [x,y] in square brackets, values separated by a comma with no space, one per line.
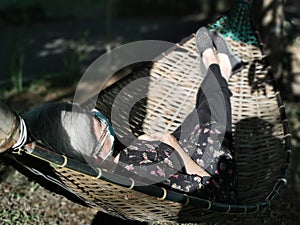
[206,147]
[201,135]
[156,162]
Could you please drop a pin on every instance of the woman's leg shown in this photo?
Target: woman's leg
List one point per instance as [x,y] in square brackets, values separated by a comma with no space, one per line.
[202,132]
[213,93]
[213,99]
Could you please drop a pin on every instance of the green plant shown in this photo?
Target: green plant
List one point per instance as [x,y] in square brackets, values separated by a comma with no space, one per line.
[16,71]
[17,60]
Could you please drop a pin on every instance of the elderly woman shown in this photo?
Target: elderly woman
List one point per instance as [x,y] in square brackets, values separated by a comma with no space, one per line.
[196,158]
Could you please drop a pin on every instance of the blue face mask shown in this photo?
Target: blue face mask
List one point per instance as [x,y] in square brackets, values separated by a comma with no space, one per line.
[108,132]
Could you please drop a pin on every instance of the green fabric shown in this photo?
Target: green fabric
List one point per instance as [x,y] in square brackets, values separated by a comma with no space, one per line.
[237,24]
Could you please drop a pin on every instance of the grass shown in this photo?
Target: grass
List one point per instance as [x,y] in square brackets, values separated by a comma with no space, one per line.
[74,58]
[24,202]
[16,71]
[17,47]
[20,217]
[16,64]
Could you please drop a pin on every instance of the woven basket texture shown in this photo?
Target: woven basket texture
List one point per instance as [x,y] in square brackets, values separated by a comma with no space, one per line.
[260,131]
[172,83]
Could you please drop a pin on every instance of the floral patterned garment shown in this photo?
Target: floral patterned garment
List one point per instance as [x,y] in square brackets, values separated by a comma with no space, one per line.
[156,162]
[159,163]
[206,147]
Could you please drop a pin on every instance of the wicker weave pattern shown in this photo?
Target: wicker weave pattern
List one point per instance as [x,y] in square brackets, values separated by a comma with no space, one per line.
[116,200]
[175,79]
[258,130]
[261,138]
[130,204]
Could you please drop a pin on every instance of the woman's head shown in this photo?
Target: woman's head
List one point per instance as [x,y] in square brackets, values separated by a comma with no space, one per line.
[69,130]
[104,134]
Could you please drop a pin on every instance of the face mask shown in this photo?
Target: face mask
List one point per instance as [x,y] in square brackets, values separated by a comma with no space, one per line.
[107,133]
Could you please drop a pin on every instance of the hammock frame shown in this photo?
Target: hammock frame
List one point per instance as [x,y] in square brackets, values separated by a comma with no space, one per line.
[261,136]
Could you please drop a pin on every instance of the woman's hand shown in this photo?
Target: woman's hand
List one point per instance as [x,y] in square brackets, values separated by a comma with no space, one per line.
[162,137]
[192,168]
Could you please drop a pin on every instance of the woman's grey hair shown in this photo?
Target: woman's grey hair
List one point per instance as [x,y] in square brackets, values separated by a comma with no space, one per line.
[64,127]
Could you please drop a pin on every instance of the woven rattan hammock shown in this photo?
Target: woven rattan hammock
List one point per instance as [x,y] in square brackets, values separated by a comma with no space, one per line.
[260,130]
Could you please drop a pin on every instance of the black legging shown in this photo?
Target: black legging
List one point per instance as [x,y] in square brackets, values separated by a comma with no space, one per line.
[212,104]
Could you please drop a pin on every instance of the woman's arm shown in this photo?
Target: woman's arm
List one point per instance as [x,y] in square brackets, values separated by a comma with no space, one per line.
[192,168]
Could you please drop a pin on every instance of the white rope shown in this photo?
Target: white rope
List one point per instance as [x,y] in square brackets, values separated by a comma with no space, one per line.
[23,135]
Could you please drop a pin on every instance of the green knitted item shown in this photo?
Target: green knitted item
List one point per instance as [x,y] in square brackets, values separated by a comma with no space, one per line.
[237,24]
